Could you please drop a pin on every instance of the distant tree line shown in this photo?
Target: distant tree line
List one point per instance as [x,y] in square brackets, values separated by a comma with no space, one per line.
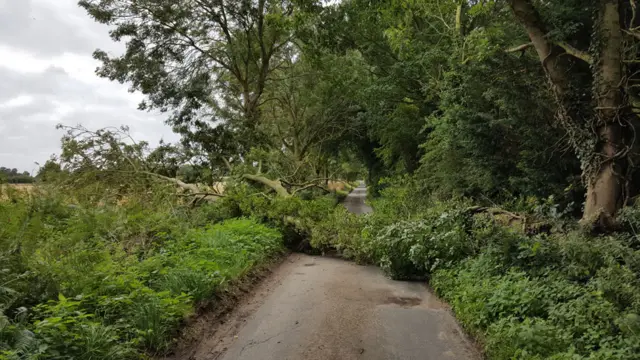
[12,176]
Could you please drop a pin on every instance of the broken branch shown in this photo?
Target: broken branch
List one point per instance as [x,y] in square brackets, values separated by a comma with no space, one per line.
[522,47]
[582,55]
[275,185]
[570,50]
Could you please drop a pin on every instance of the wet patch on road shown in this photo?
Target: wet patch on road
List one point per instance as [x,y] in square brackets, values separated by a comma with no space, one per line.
[404,301]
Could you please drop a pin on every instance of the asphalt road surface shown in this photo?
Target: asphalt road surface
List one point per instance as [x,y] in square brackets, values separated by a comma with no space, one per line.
[355,202]
[319,308]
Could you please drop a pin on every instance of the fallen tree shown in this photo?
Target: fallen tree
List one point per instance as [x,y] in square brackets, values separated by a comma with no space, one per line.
[119,162]
[522,223]
[284,188]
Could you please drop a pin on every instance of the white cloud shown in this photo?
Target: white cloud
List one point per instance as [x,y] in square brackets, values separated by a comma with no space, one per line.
[47,76]
[18,101]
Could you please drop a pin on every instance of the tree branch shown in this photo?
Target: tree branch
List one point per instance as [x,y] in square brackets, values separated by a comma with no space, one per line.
[518,48]
[275,185]
[582,55]
[634,34]
[191,187]
[570,50]
[205,194]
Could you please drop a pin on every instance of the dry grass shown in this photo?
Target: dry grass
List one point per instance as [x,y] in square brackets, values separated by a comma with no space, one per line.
[20,187]
[15,189]
[337,185]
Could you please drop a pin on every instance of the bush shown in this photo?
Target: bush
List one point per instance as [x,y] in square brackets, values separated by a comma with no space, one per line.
[295,217]
[411,249]
[107,281]
[405,249]
[575,305]
[564,295]
[342,231]
[66,331]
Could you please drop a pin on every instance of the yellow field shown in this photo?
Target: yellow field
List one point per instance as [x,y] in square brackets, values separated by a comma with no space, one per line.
[20,188]
[336,185]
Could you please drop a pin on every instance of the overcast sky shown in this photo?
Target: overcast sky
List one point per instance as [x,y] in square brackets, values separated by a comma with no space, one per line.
[47,77]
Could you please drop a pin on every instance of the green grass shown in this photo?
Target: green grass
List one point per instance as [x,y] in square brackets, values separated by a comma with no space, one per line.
[114,282]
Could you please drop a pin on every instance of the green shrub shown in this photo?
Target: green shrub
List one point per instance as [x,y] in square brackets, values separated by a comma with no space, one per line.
[295,217]
[66,331]
[395,246]
[154,317]
[342,231]
[531,338]
[519,313]
[109,282]
[564,295]
[414,249]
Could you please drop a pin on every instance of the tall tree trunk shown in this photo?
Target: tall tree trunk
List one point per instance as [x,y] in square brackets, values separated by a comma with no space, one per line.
[605,165]
[573,109]
[606,187]
[555,65]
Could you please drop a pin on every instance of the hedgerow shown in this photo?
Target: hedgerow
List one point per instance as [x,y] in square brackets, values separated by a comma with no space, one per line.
[559,294]
[115,281]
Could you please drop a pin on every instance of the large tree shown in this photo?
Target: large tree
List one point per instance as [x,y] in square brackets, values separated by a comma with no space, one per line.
[311,104]
[207,61]
[444,101]
[594,91]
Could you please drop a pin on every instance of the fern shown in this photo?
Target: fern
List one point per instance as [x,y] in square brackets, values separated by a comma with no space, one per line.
[4,322]
[25,342]
[7,297]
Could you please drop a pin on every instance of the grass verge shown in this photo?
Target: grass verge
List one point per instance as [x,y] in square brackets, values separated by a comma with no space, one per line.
[203,326]
[115,282]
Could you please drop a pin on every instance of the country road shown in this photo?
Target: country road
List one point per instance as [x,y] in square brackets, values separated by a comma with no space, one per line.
[318,308]
[355,202]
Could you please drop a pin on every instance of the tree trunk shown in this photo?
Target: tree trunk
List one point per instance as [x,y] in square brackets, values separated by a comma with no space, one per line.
[275,185]
[604,166]
[606,188]
[554,64]
[573,107]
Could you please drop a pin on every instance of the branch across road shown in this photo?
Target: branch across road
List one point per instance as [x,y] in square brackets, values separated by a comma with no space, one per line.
[319,308]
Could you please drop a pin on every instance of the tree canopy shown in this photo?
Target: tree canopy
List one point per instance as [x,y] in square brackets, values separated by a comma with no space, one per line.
[497,138]
[490,99]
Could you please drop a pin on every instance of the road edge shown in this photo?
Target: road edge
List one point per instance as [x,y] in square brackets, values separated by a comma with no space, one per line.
[225,313]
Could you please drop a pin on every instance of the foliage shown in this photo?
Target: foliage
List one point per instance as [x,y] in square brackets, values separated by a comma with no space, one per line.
[110,281]
[564,295]
[294,216]
[487,139]
[299,92]
[443,104]
[180,55]
[309,105]
[341,231]
[579,303]
[13,176]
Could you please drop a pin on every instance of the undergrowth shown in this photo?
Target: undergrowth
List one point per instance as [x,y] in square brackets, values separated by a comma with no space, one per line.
[115,282]
[559,294]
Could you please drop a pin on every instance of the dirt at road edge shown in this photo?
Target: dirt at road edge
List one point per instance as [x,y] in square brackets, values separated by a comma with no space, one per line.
[208,333]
